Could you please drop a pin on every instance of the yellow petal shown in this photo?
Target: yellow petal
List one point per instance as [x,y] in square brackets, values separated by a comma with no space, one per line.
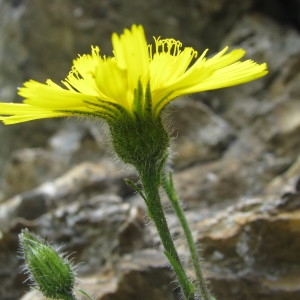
[107,86]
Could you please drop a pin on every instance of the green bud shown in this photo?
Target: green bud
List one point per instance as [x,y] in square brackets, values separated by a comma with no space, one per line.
[49,271]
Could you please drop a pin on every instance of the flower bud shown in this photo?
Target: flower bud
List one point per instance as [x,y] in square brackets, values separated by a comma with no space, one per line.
[49,271]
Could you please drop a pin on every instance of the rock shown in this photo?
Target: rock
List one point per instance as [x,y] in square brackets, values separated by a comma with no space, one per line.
[85,179]
[78,141]
[289,180]
[94,229]
[28,168]
[18,137]
[256,245]
[244,169]
[251,247]
[286,13]
[73,143]
[211,183]
[204,142]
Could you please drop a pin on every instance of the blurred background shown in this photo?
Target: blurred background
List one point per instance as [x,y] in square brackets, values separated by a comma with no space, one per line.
[236,152]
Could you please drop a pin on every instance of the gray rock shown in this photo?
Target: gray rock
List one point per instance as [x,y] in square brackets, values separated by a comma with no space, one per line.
[199,134]
[77,184]
[28,168]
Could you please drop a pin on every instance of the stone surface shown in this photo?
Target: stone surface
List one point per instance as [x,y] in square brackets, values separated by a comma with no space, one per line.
[256,244]
[204,142]
[40,162]
[236,154]
[80,182]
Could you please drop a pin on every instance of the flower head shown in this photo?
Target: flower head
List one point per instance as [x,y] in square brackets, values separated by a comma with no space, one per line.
[138,80]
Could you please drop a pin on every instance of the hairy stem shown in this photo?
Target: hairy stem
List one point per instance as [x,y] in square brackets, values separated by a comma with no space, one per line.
[169,188]
[151,181]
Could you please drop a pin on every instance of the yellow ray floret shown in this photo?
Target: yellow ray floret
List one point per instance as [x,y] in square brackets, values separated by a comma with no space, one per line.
[137,73]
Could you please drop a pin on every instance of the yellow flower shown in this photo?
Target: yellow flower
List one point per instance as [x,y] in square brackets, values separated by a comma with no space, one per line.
[138,79]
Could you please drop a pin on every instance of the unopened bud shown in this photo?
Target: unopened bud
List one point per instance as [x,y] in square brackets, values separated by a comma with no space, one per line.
[49,270]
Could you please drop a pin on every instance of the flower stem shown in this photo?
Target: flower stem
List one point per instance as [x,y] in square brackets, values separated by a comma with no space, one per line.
[169,188]
[151,182]
[86,294]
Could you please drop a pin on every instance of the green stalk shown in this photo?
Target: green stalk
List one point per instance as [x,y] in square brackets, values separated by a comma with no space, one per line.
[170,191]
[86,294]
[151,182]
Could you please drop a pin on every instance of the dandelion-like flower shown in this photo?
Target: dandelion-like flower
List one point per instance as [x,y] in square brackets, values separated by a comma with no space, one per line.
[138,80]
[129,90]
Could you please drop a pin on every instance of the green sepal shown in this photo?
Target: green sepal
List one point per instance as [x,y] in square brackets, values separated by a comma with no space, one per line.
[147,109]
[139,142]
[137,105]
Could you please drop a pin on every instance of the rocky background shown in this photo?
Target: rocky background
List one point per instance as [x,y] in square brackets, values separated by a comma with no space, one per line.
[236,153]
